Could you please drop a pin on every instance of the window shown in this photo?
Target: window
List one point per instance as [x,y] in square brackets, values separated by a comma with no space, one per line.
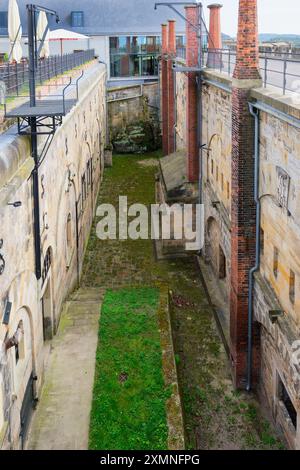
[217,175]
[17,353]
[69,231]
[292,286]
[275,262]
[222,182]
[3,19]
[134,56]
[77,19]
[83,188]
[212,167]
[228,190]
[262,241]
[287,402]
[222,264]
[180,41]
[69,240]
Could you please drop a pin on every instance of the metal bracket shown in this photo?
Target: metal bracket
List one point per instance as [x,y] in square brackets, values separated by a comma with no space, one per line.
[274,315]
[178,68]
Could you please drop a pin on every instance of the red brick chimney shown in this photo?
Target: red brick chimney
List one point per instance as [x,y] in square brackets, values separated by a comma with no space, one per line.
[192,60]
[215,35]
[171,86]
[243,210]
[247,60]
[164,89]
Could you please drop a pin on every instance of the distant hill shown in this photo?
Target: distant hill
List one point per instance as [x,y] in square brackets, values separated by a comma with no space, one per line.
[225,37]
[271,37]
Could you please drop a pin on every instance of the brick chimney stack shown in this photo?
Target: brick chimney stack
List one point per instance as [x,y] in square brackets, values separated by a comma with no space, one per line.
[164,89]
[171,86]
[243,209]
[192,60]
[247,59]
[215,35]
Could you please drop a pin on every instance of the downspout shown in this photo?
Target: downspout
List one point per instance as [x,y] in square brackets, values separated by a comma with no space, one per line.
[255,269]
[175,111]
[199,84]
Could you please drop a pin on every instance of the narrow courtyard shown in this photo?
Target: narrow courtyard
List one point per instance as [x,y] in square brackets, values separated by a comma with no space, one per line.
[216,417]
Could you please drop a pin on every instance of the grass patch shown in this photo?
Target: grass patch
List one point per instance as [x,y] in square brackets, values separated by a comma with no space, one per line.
[129,400]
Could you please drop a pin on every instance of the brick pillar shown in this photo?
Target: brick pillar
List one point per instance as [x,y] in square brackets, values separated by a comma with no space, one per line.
[171,86]
[164,89]
[215,36]
[246,76]
[192,60]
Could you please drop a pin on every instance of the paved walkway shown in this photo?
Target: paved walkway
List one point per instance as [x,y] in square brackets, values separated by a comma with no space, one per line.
[61,421]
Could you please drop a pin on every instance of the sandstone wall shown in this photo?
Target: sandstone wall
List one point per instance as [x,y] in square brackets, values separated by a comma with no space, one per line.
[181,103]
[69,180]
[278,287]
[216,168]
[133,117]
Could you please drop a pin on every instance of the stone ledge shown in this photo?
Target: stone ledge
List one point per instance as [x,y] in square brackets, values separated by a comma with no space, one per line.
[272,97]
[176,438]
[8,191]
[220,77]
[14,150]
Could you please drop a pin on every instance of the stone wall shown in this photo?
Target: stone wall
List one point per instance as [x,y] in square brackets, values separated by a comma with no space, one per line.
[216,169]
[278,287]
[133,117]
[69,180]
[277,291]
[181,88]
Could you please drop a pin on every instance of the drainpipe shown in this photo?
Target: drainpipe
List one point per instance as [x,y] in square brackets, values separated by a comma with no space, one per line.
[199,103]
[175,111]
[255,114]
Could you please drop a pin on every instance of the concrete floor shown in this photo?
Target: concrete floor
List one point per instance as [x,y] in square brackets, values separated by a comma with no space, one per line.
[61,421]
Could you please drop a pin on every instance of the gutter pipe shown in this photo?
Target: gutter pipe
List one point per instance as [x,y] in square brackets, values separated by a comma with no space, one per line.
[199,103]
[255,113]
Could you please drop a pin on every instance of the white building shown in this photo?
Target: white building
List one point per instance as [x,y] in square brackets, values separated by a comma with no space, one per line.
[124,33]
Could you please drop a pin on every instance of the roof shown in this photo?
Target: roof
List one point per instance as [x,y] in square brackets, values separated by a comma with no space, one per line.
[106,17]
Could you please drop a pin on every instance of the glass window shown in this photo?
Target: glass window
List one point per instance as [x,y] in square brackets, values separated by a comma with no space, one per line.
[3,19]
[134,56]
[77,18]
[180,41]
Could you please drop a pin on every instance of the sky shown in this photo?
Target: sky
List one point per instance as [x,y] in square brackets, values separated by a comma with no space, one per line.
[275,16]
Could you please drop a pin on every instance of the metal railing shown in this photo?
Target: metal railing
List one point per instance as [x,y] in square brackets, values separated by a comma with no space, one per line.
[278,70]
[16,76]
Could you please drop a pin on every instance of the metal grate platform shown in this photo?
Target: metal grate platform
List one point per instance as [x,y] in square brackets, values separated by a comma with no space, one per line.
[49,108]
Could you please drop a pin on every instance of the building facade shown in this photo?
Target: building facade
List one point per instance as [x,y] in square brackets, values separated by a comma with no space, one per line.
[124,34]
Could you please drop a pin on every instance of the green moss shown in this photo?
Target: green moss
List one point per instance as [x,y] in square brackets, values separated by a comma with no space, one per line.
[129,401]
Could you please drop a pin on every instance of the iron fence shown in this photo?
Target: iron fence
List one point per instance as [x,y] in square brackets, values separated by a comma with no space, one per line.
[279,70]
[16,76]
